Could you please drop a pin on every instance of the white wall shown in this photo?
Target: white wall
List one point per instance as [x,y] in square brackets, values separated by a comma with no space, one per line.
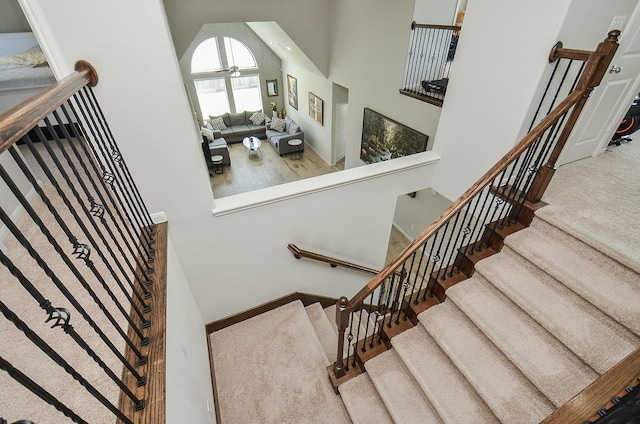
[246,261]
[188,383]
[370,41]
[414,214]
[305,21]
[140,91]
[316,135]
[435,12]
[501,56]
[12,19]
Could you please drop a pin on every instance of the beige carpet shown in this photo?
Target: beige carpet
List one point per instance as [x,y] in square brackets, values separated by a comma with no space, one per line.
[603,208]
[272,369]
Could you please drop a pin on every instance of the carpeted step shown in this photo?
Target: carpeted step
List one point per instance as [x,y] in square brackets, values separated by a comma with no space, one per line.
[548,364]
[570,318]
[440,379]
[272,368]
[404,399]
[363,401]
[610,286]
[503,387]
[324,330]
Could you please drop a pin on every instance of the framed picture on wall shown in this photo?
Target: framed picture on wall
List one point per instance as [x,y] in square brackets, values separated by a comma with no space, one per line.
[292,91]
[384,138]
[316,108]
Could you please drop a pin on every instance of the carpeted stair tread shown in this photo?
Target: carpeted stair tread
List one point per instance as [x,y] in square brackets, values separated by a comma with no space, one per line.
[404,399]
[547,363]
[610,286]
[324,331]
[511,397]
[363,401]
[570,318]
[272,368]
[596,200]
[440,379]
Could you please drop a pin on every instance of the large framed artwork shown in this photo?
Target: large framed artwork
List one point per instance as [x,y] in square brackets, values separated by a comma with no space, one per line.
[292,91]
[384,138]
[316,108]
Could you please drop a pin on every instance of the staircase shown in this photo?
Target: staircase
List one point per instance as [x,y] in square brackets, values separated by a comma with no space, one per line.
[535,325]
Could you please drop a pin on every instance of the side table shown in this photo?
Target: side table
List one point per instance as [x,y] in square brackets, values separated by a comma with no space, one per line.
[296,146]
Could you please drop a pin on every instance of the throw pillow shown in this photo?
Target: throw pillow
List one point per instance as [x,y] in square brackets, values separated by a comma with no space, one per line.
[217,124]
[237,119]
[278,124]
[257,118]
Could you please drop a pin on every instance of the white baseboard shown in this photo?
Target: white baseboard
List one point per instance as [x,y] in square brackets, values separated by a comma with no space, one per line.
[15,216]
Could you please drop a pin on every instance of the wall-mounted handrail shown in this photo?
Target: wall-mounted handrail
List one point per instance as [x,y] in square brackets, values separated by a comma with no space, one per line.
[334,262]
[504,196]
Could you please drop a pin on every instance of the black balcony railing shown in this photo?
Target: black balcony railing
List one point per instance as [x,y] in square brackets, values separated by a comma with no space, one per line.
[431,55]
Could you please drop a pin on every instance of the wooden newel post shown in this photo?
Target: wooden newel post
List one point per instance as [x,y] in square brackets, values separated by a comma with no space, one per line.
[342,320]
[594,71]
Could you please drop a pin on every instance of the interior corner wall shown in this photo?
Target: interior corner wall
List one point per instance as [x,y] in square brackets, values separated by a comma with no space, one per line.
[188,384]
[316,135]
[500,59]
[370,43]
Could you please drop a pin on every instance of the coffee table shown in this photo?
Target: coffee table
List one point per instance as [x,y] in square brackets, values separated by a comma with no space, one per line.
[252,144]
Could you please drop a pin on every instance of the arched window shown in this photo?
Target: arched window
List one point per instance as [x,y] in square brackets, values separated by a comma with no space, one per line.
[225,77]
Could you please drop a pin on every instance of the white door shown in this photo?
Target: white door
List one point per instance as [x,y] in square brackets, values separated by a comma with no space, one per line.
[341,130]
[610,101]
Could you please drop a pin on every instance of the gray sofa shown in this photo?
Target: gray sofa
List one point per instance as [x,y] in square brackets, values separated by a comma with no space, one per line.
[238,126]
[279,140]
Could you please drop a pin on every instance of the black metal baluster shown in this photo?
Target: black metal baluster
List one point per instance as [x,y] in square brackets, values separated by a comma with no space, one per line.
[409,83]
[438,257]
[90,199]
[418,272]
[433,266]
[61,318]
[132,184]
[111,176]
[116,203]
[387,309]
[349,339]
[366,330]
[98,210]
[81,224]
[35,388]
[82,250]
[45,267]
[378,312]
[69,330]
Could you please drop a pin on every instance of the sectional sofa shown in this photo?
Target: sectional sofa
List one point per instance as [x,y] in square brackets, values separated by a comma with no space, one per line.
[234,127]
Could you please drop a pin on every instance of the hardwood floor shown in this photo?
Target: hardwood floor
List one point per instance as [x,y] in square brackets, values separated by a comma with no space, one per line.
[397,243]
[253,171]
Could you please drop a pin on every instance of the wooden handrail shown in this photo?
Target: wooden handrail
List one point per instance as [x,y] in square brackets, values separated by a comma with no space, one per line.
[300,253]
[17,121]
[415,25]
[591,78]
[599,393]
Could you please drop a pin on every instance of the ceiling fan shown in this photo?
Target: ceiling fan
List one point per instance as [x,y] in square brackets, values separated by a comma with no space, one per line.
[234,71]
